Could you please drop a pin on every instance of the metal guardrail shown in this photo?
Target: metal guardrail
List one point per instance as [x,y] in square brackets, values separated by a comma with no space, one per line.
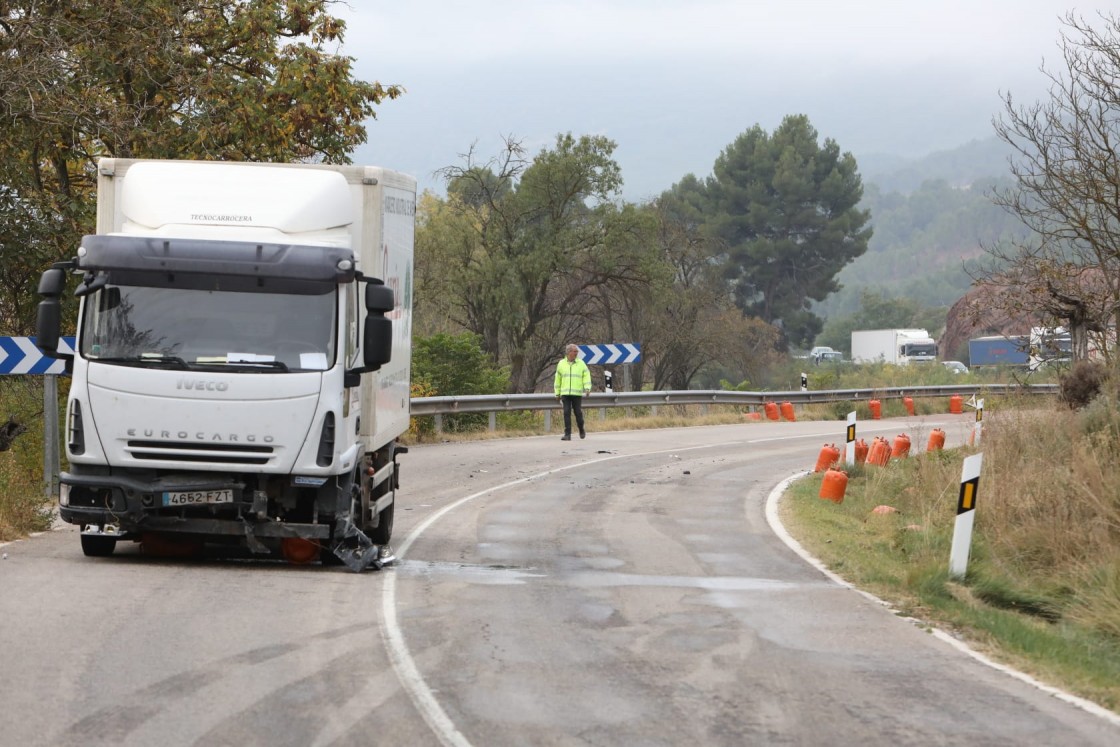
[542,401]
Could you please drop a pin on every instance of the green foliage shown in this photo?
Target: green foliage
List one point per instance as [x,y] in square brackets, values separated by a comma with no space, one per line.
[786,208]
[225,80]
[529,253]
[23,506]
[455,365]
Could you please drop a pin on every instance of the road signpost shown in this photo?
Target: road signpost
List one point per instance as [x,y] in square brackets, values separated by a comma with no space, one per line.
[612,354]
[605,355]
[850,440]
[18,355]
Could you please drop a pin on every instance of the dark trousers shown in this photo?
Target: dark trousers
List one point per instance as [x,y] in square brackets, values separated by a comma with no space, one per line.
[572,402]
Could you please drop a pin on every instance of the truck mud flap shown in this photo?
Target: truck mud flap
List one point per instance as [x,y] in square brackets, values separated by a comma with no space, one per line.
[357,551]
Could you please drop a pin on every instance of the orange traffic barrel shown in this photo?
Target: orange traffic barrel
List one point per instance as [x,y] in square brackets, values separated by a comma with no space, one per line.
[876,408]
[754,416]
[908,403]
[829,456]
[879,452]
[787,411]
[956,403]
[299,550]
[861,451]
[771,411]
[833,485]
[936,440]
[901,448]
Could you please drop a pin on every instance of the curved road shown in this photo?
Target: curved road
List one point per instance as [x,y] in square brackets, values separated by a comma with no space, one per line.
[623,590]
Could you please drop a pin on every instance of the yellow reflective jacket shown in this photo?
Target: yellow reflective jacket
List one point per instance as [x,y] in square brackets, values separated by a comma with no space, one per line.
[572,378]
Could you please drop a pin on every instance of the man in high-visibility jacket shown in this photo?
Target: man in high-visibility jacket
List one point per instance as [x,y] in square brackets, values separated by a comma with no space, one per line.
[573,381]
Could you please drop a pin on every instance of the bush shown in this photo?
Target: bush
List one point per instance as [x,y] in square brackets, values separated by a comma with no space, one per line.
[1082,383]
[446,365]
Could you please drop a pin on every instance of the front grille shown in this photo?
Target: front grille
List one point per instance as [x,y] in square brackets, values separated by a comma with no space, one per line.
[187,451]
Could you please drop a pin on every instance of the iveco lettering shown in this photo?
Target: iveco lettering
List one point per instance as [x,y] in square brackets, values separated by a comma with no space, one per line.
[242,363]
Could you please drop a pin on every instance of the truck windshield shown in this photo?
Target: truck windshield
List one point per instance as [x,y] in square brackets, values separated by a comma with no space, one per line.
[920,350]
[178,327]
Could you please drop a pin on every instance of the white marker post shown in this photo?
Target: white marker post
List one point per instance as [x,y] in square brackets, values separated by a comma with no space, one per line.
[978,426]
[804,382]
[966,516]
[850,448]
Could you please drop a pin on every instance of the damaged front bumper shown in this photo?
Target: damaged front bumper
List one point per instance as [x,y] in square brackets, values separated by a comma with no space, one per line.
[128,508]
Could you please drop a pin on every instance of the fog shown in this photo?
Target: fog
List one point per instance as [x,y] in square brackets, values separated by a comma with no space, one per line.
[673,83]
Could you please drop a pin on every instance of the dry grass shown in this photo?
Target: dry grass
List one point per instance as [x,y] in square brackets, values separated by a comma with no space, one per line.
[1042,590]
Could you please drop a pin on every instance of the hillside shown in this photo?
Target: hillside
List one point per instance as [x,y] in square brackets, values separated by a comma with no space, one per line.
[931,218]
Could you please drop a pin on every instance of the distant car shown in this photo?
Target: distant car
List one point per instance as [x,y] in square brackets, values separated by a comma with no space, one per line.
[823,354]
[955,366]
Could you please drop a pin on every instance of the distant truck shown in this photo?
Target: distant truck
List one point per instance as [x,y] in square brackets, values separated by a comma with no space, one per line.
[897,346]
[242,365]
[999,350]
[1049,345]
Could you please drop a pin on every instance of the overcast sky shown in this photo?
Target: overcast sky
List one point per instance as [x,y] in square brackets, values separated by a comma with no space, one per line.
[673,82]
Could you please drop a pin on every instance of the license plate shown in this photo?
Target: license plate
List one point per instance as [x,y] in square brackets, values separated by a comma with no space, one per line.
[197,497]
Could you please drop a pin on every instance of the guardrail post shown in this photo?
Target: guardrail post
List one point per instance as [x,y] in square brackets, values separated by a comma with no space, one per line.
[493,421]
[439,422]
[50,435]
[548,421]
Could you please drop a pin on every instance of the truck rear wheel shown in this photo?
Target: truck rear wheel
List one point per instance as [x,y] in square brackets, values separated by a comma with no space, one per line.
[96,546]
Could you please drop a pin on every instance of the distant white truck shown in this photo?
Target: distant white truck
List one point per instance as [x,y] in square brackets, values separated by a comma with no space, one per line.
[242,366]
[898,346]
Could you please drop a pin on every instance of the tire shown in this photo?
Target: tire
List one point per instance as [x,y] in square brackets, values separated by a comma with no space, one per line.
[383,532]
[98,546]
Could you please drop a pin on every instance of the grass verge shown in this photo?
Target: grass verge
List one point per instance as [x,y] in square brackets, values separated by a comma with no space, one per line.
[1042,591]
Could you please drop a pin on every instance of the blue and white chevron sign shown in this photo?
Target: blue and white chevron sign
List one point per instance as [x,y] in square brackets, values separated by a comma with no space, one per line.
[18,355]
[619,352]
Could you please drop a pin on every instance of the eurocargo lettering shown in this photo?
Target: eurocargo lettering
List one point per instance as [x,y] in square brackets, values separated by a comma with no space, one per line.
[242,365]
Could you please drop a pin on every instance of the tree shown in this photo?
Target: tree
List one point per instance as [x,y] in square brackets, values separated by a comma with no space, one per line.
[226,79]
[527,245]
[1066,171]
[686,318]
[785,207]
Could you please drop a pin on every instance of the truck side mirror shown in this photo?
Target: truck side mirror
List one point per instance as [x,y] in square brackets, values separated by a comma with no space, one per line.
[379,298]
[49,319]
[377,333]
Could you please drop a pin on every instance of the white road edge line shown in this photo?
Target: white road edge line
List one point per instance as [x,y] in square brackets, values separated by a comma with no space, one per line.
[776,526]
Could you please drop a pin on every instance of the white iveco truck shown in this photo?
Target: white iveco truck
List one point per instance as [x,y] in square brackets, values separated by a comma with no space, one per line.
[242,366]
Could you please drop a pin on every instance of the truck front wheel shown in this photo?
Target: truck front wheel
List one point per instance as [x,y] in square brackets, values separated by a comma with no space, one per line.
[383,532]
[96,546]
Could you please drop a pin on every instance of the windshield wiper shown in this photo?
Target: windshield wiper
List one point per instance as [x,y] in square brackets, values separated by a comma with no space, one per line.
[145,358]
[278,365]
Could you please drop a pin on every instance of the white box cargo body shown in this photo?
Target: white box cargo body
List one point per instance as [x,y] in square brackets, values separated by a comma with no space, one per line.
[243,356]
[897,346]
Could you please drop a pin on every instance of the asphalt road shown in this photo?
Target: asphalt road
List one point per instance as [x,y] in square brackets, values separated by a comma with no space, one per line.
[623,590]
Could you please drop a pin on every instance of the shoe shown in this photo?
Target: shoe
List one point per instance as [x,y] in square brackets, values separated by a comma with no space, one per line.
[565,437]
[583,434]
